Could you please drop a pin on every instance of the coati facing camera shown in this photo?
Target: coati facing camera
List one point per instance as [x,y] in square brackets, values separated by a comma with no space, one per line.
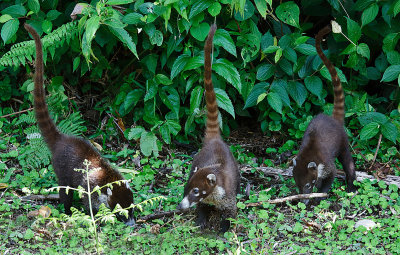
[324,140]
[214,178]
[68,153]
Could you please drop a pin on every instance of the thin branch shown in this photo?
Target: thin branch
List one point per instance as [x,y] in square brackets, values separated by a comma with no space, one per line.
[51,197]
[290,198]
[14,113]
[376,151]
[160,215]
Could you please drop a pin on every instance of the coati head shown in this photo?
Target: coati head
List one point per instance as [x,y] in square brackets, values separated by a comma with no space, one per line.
[307,174]
[120,194]
[200,186]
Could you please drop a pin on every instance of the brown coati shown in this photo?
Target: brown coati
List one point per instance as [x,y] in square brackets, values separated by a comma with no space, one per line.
[69,153]
[214,178]
[324,140]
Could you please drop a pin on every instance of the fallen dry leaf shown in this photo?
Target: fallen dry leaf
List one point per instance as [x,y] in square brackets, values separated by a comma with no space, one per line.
[3,185]
[44,212]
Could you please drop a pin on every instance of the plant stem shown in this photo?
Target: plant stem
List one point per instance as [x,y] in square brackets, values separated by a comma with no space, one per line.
[89,194]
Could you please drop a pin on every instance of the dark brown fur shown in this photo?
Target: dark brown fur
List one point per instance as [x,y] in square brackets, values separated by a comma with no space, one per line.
[214,179]
[324,140]
[69,153]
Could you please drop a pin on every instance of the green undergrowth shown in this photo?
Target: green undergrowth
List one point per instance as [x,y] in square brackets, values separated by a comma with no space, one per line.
[327,227]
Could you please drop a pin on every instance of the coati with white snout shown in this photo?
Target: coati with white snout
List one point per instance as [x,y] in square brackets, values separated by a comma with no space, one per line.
[69,153]
[214,178]
[324,140]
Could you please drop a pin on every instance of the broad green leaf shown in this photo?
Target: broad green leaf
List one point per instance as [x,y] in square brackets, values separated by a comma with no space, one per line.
[163,79]
[9,29]
[228,71]
[290,54]
[389,130]
[369,14]
[223,39]
[275,101]
[280,87]
[362,4]
[125,38]
[170,97]
[267,40]
[151,90]
[373,73]
[306,49]
[354,30]
[92,24]
[119,2]
[396,8]
[257,90]
[148,144]
[200,32]
[133,98]
[369,131]
[393,57]
[16,11]
[289,13]
[76,63]
[372,117]
[261,7]
[224,101]
[34,5]
[297,91]
[135,133]
[164,131]
[195,98]
[391,73]
[53,14]
[265,71]
[314,85]
[198,7]
[325,73]
[4,18]
[47,26]
[248,12]
[261,97]
[286,66]
[179,64]
[363,50]
[278,55]
[194,63]
[132,18]
[214,9]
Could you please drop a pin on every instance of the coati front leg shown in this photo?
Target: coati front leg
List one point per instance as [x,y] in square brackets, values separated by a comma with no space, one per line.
[203,214]
[228,212]
[66,199]
[348,166]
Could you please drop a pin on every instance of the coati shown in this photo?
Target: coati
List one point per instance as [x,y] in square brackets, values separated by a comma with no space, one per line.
[214,179]
[324,140]
[68,153]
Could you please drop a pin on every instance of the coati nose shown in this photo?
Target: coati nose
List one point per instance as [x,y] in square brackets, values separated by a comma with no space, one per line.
[131,222]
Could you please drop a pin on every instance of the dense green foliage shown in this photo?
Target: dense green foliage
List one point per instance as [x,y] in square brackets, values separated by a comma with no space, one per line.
[140,65]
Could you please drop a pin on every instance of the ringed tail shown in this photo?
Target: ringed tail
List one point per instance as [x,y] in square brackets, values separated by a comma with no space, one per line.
[212,124]
[338,102]
[47,127]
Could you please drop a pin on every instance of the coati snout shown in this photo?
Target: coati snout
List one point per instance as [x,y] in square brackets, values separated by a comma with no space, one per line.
[122,195]
[311,174]
[199,187]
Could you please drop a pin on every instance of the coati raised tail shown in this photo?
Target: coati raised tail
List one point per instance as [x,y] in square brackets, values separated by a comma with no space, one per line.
[214,178]
[69,153]
[324,140]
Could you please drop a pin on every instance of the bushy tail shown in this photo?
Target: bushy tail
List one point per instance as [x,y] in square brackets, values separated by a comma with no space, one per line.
[212,125]
[46,125]
[338,103]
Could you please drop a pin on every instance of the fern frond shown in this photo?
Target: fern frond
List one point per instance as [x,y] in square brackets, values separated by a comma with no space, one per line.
[26,50]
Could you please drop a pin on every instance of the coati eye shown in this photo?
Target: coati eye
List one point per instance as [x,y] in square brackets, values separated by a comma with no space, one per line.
[307,186]
[196,191]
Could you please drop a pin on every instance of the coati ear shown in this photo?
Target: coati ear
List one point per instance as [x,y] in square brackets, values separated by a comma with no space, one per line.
[127,185]
[211,179]
[294,161]
[109,192]
[312,165]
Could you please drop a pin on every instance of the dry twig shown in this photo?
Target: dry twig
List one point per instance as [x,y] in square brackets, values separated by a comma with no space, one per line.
[289,198]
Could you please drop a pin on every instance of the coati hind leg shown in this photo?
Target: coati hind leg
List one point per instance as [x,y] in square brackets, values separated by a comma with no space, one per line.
[203,214]
[348,166]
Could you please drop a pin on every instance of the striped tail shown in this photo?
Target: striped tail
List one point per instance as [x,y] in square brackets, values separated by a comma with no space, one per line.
[46,125]
[338,103]
[212,125]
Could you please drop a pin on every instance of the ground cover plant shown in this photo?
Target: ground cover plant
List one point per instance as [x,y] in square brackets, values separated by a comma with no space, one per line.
[127,75]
